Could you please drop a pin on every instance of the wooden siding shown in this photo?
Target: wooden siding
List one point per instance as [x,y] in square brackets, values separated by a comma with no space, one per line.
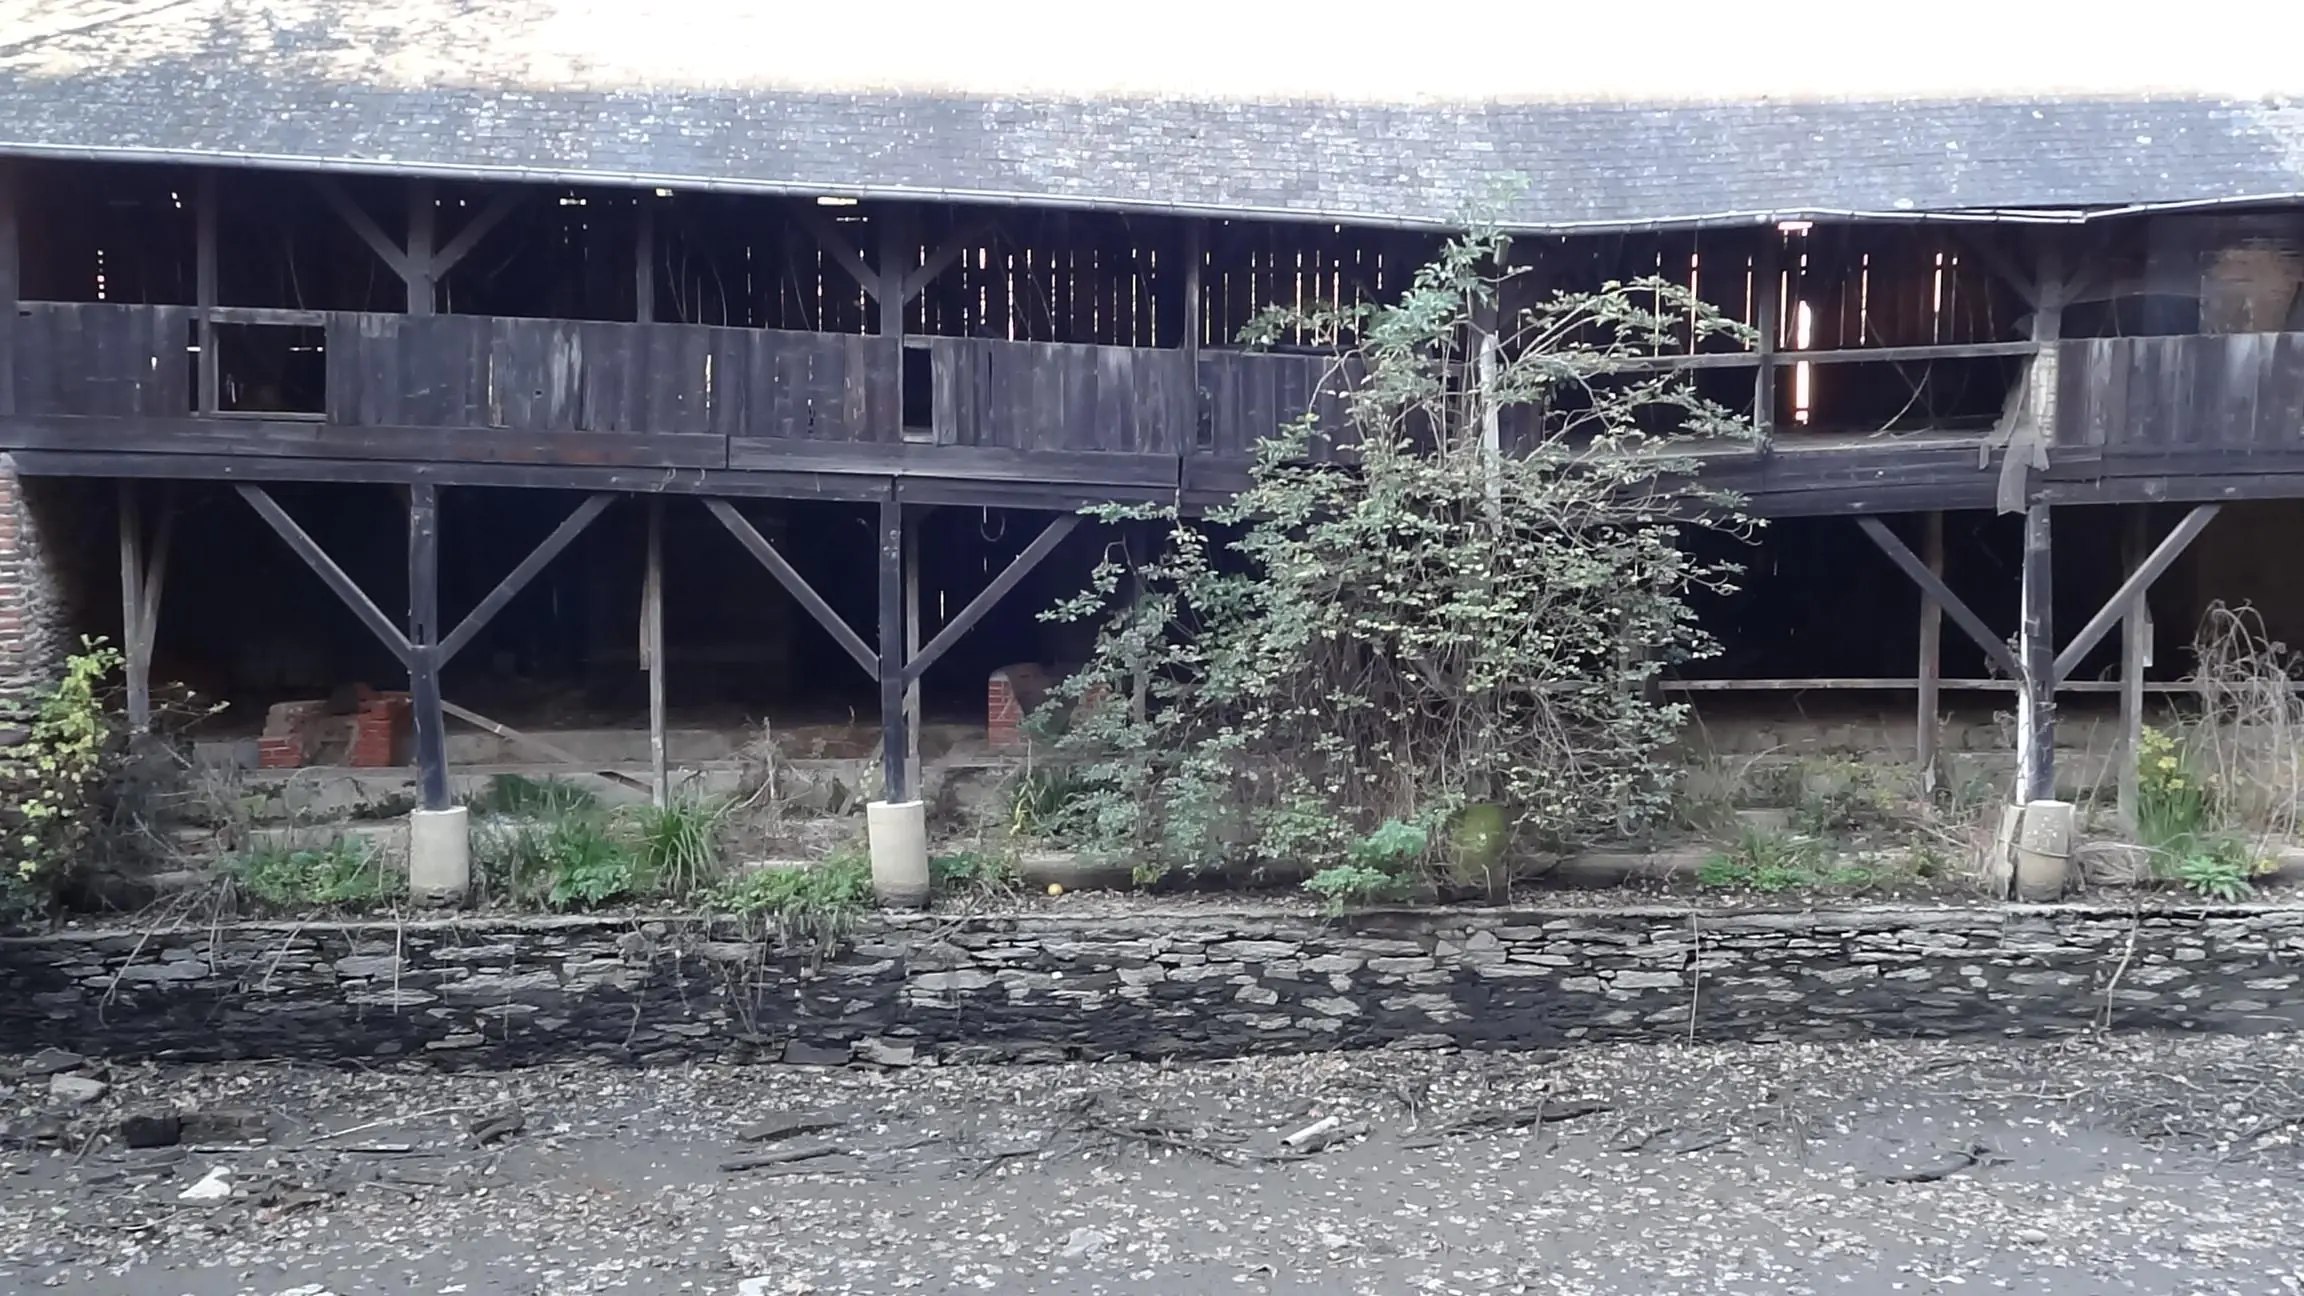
[103,359]
[2228,392]
[1061,396]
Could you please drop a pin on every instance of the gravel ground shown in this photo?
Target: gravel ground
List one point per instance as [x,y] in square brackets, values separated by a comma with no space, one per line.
[2127,1165]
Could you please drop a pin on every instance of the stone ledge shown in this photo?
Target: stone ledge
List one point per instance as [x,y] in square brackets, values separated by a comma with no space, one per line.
[1150,981]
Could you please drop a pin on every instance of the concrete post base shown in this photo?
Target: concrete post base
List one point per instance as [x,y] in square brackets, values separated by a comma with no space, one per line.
[2044,851]
[898,832]
[439,854]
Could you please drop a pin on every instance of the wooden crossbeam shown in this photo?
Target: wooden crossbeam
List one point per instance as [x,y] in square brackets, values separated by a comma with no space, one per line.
[474,230]
[362,224]
[329,573]
[1010,576]
[1995,648]
[794,584]
[942,258]
[2139,580]
[828,236]
[517,579]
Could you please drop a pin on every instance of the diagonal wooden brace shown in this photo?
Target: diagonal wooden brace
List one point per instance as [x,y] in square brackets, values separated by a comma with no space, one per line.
[1010,576]
[1995,648]
[517,579]
[2140,580]
[794,584]
[330,574]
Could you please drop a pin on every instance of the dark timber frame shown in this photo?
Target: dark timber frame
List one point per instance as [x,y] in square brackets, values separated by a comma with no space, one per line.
[915,373]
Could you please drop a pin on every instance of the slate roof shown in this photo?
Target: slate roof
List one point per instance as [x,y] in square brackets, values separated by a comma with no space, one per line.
[895,99]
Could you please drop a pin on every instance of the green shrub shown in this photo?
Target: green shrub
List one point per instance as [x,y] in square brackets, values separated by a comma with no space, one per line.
[517,794]
[805,906]
[973,872]
[344,874]
[1376,868]
[587,865]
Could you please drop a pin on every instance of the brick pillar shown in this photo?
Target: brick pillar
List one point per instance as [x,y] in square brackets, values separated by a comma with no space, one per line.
[31,637]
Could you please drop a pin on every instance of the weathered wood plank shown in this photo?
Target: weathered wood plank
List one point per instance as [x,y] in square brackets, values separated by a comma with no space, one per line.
[2280,395]
[300,438]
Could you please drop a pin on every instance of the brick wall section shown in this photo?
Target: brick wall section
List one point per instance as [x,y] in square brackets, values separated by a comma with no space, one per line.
[31,635]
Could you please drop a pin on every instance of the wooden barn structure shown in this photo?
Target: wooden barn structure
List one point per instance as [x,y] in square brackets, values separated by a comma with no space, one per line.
[721,258]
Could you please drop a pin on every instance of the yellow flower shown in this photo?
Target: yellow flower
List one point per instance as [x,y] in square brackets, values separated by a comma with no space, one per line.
[2167,762]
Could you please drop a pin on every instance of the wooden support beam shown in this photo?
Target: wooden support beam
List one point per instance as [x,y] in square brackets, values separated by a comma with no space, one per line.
[10,281]
[2140,578]
[206,220]
[517,579]
[912,638]
[137,669]
[836,245]
[1931,652]
[422,274]
[644,261]
[424,637]
[550,752]
[363,225]
[1010,576]
[2135,655]
[794,584]
[1195,253]
[329,573]
[652,653]
[155,576]
[895,748]
[1768,291]
[474,230]
[2036,652]
[1996,257]
[947,252]
[1995,648]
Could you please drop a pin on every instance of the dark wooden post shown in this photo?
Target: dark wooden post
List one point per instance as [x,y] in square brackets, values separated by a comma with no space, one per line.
[644,261]
[894,748]
[652,648]
[1195,252]
[137,669]
[1767,320]
[2036,653]
[2135,655]
[1931,652]
[2036,647]
[424,642]
[423,274]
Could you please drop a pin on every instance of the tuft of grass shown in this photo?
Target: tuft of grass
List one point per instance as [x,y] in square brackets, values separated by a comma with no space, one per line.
[587,864]
[344,874]
[679,844]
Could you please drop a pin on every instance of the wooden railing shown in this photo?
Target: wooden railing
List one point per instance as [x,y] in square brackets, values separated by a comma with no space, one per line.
[2232,391]
[598,392]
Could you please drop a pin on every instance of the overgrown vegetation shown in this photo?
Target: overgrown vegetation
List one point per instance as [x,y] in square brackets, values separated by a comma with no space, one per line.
[51,778]
[342,873]
[1445,608]
[803,906]
[2218,792]
[552,842]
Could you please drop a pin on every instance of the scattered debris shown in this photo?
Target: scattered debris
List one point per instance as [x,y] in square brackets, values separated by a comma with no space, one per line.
[1506,1118]
[1975,1154]
[1316,1130]
[785,1156]
[214,1186]
[49,1061]
[224,1125]
[489,1129]
[76,1089]
[1085,1242]
[775,1129]
[887,1053]
[151,1129]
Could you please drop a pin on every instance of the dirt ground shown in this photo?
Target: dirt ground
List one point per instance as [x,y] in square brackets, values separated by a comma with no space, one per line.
[2129,1165]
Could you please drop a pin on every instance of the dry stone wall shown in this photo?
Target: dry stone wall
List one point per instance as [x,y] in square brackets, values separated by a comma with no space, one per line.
[1189,983]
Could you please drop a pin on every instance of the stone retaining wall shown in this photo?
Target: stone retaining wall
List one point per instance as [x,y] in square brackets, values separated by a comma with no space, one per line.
[1191,983]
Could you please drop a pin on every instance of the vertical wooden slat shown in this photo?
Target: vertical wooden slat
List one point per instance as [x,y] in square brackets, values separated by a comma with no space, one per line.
[11,280]
[2280,395]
